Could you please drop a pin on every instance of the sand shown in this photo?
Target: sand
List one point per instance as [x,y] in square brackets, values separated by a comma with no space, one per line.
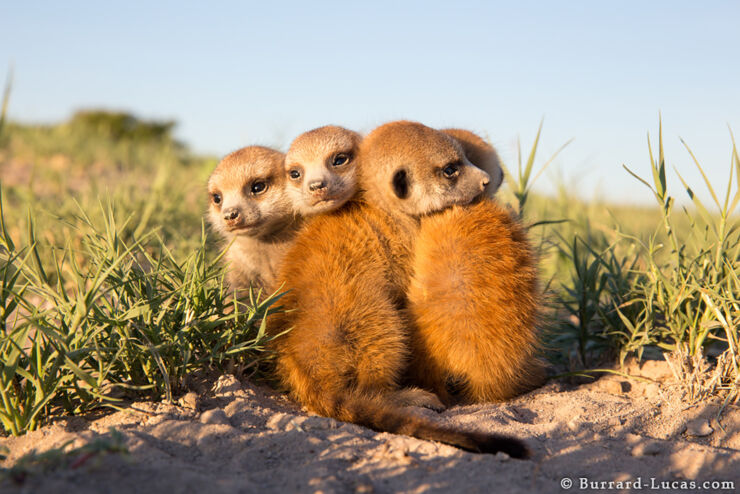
[240,437]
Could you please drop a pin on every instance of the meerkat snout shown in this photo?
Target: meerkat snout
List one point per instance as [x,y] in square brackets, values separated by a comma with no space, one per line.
[321,170]
[475,188]
[231,214]
[484,182]
[317,185]
[237,213]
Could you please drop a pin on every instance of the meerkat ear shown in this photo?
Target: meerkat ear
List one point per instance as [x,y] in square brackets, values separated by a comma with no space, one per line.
[401,184]
[478,151]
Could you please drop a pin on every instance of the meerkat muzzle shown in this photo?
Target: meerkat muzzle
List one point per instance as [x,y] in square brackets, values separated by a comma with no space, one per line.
[485,178]
[317,185]
[231,214]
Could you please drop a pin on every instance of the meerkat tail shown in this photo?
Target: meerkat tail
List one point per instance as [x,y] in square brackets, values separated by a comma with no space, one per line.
[375,412]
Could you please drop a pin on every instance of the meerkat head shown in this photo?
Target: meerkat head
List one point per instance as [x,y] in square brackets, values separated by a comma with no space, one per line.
[482,155]
[416,170]
[321,169]
[247,193]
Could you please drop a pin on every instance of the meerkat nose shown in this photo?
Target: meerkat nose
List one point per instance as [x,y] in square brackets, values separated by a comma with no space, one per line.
[483,183]
[316,185]
[231,214]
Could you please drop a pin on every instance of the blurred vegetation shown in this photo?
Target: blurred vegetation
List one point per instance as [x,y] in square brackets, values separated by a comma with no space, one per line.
[4,107]
[54,171]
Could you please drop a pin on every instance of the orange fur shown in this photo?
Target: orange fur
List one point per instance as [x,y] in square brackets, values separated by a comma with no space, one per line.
[474,299]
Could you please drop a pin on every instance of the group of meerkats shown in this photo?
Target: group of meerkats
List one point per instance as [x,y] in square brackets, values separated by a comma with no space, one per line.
[405,284]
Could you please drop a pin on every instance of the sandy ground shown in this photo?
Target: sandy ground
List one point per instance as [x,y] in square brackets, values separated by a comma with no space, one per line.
[238,437]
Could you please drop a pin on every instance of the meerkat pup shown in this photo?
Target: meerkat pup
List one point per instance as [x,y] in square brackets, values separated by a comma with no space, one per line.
[251,209]
[482,155]
[346,277]
[321,168]
[474,297]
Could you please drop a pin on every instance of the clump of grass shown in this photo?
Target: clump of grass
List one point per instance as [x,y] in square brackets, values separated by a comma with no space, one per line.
[688,292]
[570,263]
[105,317]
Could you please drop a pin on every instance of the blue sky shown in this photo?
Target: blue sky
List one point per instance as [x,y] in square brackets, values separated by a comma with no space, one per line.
[238,73]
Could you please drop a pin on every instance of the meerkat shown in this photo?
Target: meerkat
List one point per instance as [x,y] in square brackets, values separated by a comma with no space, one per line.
[321,169]
[346,277]
[482,155]
[466,354]
[473,296]
[252,211]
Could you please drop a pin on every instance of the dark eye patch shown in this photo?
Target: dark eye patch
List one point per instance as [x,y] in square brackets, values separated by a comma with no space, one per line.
[258,187]
[451,170]
[401,184]
[340,159]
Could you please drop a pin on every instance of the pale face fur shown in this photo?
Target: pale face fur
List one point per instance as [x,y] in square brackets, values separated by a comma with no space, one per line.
[413,169]
[247,194]
[321,169]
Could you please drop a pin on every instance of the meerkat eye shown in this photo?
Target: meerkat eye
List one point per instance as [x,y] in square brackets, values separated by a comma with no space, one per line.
[294,174]
[258,187]
[340,159]
[451,170]
[216,198]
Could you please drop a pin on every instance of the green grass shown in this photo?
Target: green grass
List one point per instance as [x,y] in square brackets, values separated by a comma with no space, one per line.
[112,289]
[110,298]
[128,322]
[667,284]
